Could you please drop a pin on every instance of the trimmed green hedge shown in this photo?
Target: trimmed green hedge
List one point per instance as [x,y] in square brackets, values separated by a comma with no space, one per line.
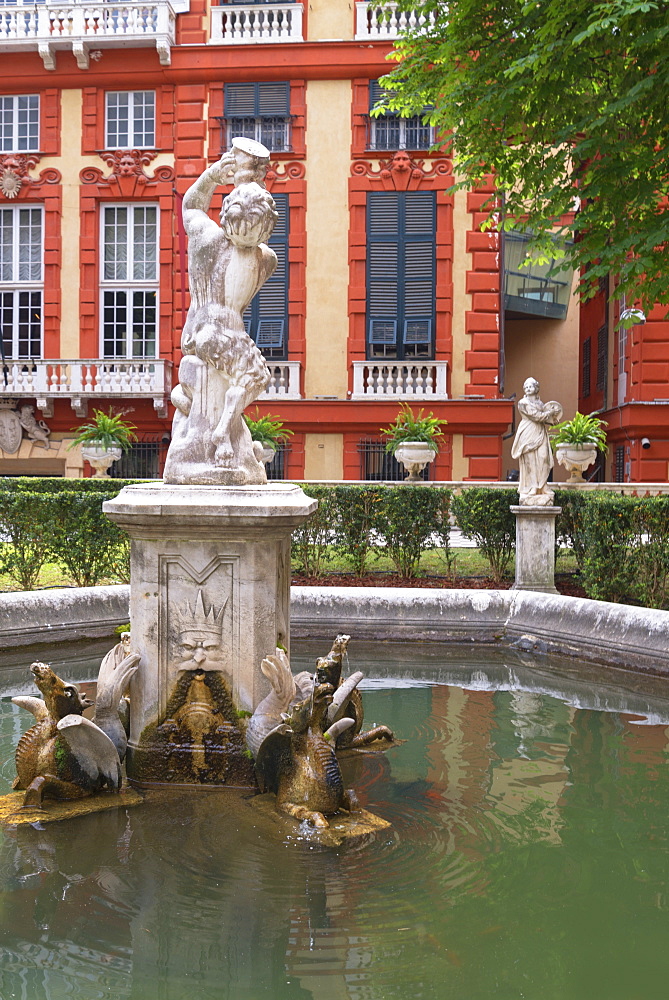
[621,543]
[60,520]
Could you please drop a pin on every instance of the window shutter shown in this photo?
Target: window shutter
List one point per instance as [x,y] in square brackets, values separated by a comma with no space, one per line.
[256,100]
[267,315]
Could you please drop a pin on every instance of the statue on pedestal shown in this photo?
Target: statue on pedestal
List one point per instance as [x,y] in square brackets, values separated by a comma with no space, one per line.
[222,371]
[531,446]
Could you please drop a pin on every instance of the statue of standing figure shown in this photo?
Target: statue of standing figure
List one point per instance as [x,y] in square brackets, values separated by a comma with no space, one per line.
[531,446]
[222,370]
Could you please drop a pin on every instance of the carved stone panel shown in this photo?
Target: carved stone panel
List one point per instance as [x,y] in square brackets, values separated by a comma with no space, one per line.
[11,431]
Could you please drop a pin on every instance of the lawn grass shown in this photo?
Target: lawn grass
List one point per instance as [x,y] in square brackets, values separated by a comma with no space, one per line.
[461,563]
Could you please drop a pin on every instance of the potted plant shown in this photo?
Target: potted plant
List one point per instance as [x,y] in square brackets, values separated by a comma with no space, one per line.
[103,440]
[268,431]
[414,440]
[576,442]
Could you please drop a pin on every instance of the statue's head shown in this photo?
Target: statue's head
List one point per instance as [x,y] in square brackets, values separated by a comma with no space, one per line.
[248,215]
[530,387]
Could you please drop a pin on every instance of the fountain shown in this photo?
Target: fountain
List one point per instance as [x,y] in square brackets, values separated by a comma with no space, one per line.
[210,569]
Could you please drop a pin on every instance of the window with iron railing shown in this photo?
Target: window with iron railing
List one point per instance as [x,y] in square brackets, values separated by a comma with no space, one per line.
[21,280]
[401,233]
[259,111]
[378,465]
[391,131]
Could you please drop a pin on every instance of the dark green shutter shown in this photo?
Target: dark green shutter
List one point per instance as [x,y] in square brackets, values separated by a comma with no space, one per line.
[257,100]
[266,318]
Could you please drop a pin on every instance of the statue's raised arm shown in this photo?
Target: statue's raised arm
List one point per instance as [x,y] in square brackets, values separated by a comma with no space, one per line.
[222,370]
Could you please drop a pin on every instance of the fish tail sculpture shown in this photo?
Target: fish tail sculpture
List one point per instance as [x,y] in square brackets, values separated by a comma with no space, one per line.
[116,670]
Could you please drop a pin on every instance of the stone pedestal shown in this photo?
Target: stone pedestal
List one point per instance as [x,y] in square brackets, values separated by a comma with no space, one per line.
[535,548]
[209,598]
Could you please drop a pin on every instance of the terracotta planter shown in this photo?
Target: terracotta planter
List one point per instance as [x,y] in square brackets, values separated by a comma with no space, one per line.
[414,456]
[100,457]
[576,458]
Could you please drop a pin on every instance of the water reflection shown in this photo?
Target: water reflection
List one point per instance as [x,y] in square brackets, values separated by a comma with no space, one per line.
[527,858]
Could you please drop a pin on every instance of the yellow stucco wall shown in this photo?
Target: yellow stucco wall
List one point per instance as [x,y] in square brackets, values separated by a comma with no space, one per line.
[460,468]
[544,349]
[462,300]
[323,456]
[330,20]
[327,222]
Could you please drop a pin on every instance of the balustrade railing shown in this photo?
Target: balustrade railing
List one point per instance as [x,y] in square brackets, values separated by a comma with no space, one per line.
[399,379]
[269,22]
[373,21]
[285,380]
[84,27]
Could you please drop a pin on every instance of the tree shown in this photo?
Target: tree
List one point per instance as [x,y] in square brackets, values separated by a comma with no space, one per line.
[566,105]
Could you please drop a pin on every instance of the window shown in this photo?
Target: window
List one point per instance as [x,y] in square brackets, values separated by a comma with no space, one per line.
[144,460]
[392,132]
[400,274]
[130,119]
[585,371]
[602,357]
[378,465]
[19,123]
[266,319]
[259,111]
[129,280]
[21,281]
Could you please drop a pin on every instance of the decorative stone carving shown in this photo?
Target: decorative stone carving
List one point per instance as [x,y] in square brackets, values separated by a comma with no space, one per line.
[531,446]
[222,371]
[414,456]
[576,458]
[14,173]
[36,430]
[198,645]
[401,172]
[127,168]
[11,432]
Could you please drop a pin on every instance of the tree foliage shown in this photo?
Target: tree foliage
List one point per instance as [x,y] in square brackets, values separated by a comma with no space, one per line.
[565,104]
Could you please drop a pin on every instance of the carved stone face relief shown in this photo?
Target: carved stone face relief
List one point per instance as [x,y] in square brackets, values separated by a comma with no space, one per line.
[198,643]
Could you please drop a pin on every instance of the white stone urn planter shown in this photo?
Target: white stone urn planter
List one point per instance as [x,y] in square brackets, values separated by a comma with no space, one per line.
[414,456]
[268,453]
[576,458]
[100,457]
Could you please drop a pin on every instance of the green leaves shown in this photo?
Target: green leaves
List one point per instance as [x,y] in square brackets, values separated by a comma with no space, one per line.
[581,429]
[108,429]
[409,426]
[269,430]
[556,101]
[485,516]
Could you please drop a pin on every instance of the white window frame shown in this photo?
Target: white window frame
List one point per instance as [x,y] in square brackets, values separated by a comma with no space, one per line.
[13,284]
[31,144]
[134,116]
[405,126]
[130,283]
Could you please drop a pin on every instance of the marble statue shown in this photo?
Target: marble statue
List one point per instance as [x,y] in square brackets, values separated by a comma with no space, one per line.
[531,446]
[222,370]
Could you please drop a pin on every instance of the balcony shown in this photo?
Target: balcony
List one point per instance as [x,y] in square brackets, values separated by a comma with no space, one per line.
[373,22]
[244,24]
[86,29]
[403,380]
[84,381]
[285,383]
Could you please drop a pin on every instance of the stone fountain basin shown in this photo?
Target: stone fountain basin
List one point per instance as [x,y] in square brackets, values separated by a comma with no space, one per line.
[617,635]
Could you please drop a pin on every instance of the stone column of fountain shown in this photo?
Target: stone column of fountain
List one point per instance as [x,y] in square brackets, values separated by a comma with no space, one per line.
[535,513]
[210,561]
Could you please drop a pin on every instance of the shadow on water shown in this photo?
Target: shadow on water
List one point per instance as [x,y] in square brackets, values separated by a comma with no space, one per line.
[527,857]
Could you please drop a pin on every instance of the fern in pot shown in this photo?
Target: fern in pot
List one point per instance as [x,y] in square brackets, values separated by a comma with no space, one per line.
[413,439]
[268,431]
[103,440]
[576,443]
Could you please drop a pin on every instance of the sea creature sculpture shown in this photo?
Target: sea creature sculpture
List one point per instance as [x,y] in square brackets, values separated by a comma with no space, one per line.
[64,755]
[347,700]
[286,690]
[298,763]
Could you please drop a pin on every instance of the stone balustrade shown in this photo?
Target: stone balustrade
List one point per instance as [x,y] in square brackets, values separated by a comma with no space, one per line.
[85,380]
[85,29]
[374,22]
[241,24]
[285,380]
[399,379]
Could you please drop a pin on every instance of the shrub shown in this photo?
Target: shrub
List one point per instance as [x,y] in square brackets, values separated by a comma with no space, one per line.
[85,541]
[357,519]
[310,541]
[485,516]
[569,524]
[609,530]
[26,531]
[413,519]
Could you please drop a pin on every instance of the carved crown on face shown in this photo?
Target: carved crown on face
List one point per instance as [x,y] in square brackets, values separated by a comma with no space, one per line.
[195,618]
